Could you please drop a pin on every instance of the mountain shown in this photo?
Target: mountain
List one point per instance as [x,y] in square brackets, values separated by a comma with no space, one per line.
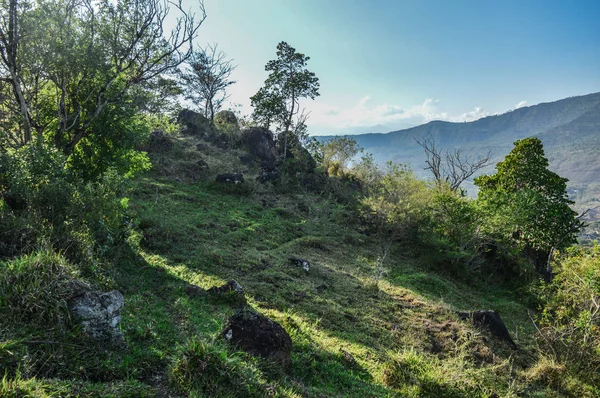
[569,129]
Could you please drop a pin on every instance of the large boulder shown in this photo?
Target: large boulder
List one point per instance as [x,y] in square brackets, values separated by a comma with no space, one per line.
[99,314]
[259,336]
[194,123]
[260,143]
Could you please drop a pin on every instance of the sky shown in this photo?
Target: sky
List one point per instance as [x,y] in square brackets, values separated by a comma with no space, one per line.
[390,64]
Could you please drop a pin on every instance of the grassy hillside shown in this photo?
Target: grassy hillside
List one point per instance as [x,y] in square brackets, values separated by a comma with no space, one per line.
[354,334]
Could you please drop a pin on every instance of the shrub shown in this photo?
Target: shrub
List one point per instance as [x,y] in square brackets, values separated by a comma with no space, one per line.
[42,202]
[209,369]
[34,290]
[570,321]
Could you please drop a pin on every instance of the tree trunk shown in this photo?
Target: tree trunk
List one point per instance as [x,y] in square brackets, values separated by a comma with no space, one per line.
[11,61]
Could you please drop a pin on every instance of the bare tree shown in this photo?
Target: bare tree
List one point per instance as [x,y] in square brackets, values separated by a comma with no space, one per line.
[451,167]
[207,78]
[67,60]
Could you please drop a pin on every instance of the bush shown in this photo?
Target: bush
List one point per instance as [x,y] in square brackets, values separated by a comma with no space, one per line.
[44,204]
[570,321]
[453,228]
[209,369]
[34,290]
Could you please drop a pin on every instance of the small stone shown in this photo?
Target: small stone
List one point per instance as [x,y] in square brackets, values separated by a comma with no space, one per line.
[300,262]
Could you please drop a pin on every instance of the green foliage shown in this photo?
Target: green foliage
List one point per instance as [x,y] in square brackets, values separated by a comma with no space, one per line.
[210,369]
[117,132]
[226,122]
[454,229]
[46,204]
[337,153]
[34,290]
[570,322]
[79,77]
[278,101]
[527,204]
[288,81]
[396,202]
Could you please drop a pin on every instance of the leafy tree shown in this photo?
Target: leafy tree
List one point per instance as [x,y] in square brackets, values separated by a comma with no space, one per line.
[66,64]
[287,83]
[207,78]
[337,154]
[528,204]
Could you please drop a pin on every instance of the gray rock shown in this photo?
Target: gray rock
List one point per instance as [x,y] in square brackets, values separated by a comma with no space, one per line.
[99,314]
[260,143]
[300,262]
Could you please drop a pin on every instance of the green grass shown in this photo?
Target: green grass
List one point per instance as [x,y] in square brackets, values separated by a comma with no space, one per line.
[353,335]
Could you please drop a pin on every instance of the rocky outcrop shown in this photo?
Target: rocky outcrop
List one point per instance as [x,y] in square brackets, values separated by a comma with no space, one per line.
[259,336]
[260,143]
[194,123]
[99,314]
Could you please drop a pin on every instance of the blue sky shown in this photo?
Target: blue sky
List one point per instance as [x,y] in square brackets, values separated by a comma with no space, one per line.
[385,65]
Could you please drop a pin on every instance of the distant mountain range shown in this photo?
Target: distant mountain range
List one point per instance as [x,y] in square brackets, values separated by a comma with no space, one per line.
[569,129]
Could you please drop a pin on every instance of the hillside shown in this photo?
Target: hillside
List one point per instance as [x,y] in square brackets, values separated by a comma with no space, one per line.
[357,330]
[569,129]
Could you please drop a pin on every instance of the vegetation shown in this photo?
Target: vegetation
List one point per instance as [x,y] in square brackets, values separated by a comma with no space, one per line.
[395,261]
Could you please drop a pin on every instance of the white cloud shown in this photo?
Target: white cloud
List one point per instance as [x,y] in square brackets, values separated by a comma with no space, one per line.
[475,114]
[371,117]
[521,104]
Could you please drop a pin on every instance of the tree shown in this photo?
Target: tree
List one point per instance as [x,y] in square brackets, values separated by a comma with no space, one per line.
[287,83]
[66,62]
[337,153]
[451,167]
[530,203]
[207,79]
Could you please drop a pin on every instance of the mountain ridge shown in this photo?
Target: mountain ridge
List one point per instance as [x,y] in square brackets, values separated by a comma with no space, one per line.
[568,128]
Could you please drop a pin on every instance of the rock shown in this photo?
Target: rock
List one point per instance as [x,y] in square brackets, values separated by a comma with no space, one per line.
[259,336]
[195,291]
[348,358]
[268,176]
[194,123]
[230,287]
[230,178]
[159,142]
[99,314]
[490,320]
[260,143]
[300,262]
